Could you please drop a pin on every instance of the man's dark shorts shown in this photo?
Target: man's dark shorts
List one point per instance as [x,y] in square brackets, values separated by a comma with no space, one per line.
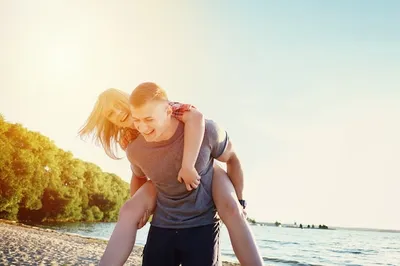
[197,246]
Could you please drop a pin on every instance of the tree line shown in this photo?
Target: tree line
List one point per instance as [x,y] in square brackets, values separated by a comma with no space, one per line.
[40,182]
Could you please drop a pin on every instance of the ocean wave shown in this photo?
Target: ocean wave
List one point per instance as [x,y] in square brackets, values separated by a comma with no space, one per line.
[279,242]
[391,248]
[290,262]
[355,251]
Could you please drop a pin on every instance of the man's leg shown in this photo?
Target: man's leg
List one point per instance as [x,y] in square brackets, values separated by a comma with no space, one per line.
[160,248]
[199,246]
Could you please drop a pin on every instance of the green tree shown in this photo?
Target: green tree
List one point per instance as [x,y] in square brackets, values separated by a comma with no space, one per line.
[40,182]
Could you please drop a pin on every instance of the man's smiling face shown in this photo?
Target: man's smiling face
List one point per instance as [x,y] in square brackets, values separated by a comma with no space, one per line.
[151,119]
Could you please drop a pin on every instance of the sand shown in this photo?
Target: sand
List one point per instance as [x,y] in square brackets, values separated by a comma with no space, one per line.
[27,245]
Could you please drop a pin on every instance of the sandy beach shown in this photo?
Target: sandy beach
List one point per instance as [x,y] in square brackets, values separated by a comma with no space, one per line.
[27,245]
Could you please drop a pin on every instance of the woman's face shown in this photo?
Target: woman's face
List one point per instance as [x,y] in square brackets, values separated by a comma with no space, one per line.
[118,114]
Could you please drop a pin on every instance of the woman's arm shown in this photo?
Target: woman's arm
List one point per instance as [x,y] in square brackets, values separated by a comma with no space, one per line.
[193,137]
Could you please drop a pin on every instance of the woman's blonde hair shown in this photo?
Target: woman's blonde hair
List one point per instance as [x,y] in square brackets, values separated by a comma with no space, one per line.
[99,127]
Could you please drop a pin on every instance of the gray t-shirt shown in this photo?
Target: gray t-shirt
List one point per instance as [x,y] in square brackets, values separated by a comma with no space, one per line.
[161,162]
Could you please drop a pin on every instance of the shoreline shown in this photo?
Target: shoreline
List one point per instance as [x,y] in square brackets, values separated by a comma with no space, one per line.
[30,245]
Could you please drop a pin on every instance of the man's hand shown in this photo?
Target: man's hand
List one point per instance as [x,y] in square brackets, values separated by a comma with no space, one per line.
[144,219]
[190,176]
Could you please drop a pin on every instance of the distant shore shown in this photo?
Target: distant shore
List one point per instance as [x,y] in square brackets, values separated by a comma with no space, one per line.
[28,245]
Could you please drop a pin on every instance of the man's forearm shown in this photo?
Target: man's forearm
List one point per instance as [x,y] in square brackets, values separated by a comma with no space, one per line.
[136,183]
[235,173]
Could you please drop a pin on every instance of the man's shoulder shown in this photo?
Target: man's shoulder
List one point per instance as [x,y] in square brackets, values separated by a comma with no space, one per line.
[212,127]
[213,132]
[209,123]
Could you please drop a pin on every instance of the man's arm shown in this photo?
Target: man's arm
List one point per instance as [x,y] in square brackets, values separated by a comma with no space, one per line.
[136,183]
[138,179]
[234,169]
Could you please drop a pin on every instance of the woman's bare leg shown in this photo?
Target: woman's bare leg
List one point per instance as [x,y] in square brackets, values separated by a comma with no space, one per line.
[231,213]
[123,237]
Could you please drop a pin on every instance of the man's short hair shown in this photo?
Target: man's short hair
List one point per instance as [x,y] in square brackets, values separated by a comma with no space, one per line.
[145,92]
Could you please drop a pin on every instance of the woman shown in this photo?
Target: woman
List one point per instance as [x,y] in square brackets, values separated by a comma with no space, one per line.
[111,124]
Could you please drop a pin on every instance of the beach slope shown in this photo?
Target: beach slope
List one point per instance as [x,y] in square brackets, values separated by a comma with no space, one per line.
[27,245]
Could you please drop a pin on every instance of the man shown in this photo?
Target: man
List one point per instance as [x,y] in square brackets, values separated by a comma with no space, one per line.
[184,229]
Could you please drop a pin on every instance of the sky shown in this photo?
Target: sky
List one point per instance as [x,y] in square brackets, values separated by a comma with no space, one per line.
[308,91]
